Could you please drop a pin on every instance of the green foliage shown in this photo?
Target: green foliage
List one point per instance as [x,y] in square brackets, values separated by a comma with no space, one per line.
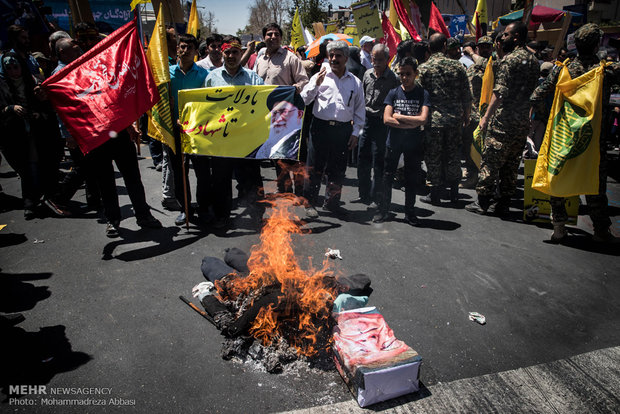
[311,11]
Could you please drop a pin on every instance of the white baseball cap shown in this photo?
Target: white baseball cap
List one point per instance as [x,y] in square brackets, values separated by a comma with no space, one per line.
[366,39]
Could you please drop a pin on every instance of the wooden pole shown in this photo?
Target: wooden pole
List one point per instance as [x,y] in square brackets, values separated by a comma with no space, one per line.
[184,189]
[560,41]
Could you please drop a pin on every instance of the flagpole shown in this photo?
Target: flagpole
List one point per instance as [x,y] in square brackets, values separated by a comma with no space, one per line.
[184,189]
[140,38]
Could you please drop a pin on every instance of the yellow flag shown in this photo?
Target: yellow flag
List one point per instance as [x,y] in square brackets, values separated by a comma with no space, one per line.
[393,18]
[262,121]
[134,3]
[488,80]
[569,157]
[297,32]
[481,9]
[160,119]
[193,23]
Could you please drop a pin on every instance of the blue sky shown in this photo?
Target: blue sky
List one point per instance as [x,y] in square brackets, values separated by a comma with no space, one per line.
[232,15]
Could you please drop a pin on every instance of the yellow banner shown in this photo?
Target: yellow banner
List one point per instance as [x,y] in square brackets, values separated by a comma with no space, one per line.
[569,156]
[367,19]
[351,30]
[160,119]
[297,32]
[488,80]
[241,121]
[193,23]
[331,27]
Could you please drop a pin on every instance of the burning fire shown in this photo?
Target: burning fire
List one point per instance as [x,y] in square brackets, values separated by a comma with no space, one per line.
[301,314]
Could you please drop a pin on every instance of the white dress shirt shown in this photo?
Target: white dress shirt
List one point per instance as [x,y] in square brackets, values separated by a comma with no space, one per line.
[337,99]
[366,59]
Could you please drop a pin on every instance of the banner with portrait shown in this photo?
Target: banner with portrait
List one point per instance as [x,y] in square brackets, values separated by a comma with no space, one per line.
[261,122]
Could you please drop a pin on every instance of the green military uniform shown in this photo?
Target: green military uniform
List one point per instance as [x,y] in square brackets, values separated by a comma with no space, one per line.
[515,80]
[589,34]
[446,82]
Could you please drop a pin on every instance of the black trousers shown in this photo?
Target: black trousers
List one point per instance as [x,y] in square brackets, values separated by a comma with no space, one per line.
[327,155]
[214,184]
[371,158]
[81,173]
[413,154]
[123,152]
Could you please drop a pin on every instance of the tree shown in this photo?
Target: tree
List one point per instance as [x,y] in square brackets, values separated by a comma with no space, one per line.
[311,11]
[208,21]
[263,12]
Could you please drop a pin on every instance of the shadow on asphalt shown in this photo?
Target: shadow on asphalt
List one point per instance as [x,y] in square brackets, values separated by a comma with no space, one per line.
[31,358]
[10,203]
[405,399]
[163,237]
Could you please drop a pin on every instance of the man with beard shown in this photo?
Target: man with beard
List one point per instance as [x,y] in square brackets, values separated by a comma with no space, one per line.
[446,82]
[506,119]
[278,66]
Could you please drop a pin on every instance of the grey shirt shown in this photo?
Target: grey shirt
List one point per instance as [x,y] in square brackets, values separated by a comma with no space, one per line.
[376,89]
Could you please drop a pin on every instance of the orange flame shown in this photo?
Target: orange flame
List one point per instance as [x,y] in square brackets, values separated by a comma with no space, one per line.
[303,312]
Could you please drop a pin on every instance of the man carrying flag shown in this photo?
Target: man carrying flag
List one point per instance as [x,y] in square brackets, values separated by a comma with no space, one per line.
[98,97]
[587,39]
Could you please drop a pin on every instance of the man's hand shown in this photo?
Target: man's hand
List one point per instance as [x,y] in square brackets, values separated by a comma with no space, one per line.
[20,110]
[251,46]
[484,123]
[134,132]
[321,76]
[352,142]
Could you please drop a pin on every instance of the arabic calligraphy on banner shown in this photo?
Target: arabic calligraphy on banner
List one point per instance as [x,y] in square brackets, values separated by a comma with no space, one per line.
[241,121]
[367,19]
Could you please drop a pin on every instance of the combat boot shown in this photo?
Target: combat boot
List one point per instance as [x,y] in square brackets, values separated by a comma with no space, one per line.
[481,206]
[454,192]
[559,233]
[502,207]
[433,197]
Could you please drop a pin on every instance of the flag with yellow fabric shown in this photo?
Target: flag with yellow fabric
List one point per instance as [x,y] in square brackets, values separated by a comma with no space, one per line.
[297,31]
[488,80]
[193,23]
[134,3]
[262,121]
[481,9]
[569,157]
[160,116]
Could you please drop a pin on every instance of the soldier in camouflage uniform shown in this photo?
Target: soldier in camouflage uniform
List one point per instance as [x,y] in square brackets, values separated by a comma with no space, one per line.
[587,39]
[446,81]
[507,119]
[475,72]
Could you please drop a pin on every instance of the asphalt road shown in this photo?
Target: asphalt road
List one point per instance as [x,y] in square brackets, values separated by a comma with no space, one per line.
[104,316]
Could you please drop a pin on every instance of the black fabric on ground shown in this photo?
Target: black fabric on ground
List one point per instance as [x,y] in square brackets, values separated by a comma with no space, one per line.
[355,285]
[242,323]
[215,269]
[237,259]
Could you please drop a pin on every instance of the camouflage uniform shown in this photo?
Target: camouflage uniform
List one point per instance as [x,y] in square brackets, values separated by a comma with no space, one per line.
[589,33]
[515,80]
[446,81]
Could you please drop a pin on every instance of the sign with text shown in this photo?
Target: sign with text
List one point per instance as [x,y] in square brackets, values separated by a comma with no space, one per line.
[367,19]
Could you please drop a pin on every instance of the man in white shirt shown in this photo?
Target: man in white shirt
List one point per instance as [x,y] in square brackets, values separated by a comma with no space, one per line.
[214,57]
[366,44]
[339,116]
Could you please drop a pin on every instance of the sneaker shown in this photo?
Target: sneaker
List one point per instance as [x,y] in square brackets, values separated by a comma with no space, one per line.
[158,167]
[171,204]
[380,217]
[373,206]
[55,208]
[311,212]
[111,229]
[475,208]
[148,222]
[180,220]
[412,220]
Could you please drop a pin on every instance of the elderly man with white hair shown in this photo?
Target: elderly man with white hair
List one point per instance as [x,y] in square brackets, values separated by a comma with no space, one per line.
[339,116]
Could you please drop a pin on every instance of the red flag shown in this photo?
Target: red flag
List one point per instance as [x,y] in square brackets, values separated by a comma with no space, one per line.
[405,20]
[478,27]
[390,37]
[104,90]
[436,21]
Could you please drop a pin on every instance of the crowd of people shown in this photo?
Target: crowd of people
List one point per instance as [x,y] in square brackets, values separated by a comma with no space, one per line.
[360,109]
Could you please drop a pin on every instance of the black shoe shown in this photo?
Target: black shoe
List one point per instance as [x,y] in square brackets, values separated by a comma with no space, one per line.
[380,217]
[412,220]
[148,222]
[433,197]
[335,209]
[55,208]
[180,220]
[111,229]
[454,194]
[361,200]
[171,204]
[28,214]
[220,223]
